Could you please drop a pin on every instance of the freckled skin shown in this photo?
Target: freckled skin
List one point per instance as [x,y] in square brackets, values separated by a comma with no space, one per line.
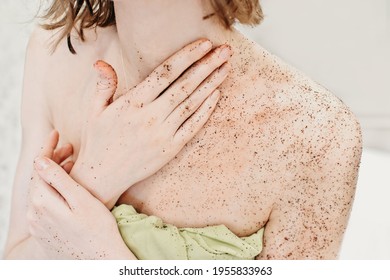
[280,151]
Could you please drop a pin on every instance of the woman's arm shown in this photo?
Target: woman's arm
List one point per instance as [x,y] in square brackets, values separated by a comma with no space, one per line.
[36,126]
[310,215]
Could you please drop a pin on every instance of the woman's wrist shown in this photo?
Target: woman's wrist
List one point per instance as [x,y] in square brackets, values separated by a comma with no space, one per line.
[103,187]
[82,176]
[87,179]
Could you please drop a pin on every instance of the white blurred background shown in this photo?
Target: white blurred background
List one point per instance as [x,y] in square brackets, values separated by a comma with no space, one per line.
[342,44]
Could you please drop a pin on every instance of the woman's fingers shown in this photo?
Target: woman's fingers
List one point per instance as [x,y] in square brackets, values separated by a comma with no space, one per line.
[68,166]
[192,126]
[63,153]
[193,102]
[169,71]
[106,85]
[193,77]
[43,196]
[48,149]
[57,177]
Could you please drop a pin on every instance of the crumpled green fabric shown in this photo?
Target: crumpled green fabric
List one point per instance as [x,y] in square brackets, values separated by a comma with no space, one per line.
[149,238]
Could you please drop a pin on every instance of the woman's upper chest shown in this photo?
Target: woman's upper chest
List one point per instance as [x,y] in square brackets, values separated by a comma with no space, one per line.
[215,178]
[226,174]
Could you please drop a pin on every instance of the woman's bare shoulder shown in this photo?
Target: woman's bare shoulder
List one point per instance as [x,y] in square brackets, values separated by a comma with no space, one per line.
[60,70]
[325,115]
[44,57]
[299,116]
[54,53]
[37,70]
[43,46]
[318,141]
[38,52]
[298,99]
[39,38]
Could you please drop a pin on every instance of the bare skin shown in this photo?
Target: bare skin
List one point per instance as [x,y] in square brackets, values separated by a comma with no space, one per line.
[279,151]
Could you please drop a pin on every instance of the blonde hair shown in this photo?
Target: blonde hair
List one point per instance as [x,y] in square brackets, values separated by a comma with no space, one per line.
[84,14]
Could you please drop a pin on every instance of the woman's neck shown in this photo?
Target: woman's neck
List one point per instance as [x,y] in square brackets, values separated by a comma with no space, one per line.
[150,31]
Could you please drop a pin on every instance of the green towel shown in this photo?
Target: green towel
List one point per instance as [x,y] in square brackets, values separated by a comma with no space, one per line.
[149,238]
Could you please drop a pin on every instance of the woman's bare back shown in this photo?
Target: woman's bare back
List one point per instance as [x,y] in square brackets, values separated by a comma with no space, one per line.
[279,151]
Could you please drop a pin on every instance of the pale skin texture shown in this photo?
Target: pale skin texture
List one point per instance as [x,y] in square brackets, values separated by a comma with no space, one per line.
[138,125]
[279,151]
[59,207]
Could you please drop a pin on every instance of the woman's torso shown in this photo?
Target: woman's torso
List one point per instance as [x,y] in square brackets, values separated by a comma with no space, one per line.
[237,165]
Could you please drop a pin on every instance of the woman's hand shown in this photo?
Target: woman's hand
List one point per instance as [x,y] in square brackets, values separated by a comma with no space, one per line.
[130,139]
[64,218]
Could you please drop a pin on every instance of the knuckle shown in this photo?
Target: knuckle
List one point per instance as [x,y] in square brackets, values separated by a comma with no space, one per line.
[187,108]
[172,100]
[184,87]
[202,67]
[150,122]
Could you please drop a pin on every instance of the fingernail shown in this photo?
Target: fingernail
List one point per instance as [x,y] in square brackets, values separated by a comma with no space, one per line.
[99,71]
[100,67]
[41,163]
[206,45]
[224,52]
[96,65]
[99,63]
